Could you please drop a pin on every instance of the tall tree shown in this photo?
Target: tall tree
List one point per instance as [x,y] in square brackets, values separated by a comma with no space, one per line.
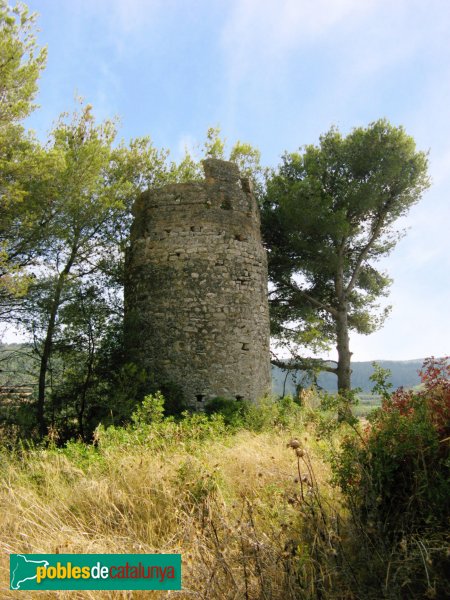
[21,217]
[329,214]
[84,320]
[89,194]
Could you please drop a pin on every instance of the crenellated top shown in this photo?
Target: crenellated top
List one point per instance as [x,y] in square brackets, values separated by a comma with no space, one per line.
[223,189]
[220,170]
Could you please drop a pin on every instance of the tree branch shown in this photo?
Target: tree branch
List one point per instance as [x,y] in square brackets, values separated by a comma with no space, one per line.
[367,247]
[315,302]
[305,364]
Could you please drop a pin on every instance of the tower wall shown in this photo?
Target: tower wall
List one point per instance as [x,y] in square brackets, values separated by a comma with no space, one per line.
[196,309]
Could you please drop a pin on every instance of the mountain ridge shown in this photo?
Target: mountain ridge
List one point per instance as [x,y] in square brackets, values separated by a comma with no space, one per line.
[404,373]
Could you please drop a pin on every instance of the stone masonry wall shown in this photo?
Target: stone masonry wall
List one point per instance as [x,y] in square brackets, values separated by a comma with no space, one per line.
[196,309]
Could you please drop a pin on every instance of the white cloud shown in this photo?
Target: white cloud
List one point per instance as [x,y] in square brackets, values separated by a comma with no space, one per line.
[125,17]
[332,51]
[260,33]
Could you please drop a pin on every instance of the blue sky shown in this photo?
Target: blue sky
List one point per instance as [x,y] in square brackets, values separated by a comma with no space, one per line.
[277,74]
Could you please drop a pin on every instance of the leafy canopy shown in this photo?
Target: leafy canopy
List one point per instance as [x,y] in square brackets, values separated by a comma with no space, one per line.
[328,217]
[21,62]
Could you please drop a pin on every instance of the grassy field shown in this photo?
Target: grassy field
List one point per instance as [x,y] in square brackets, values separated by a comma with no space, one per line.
[228,505]
[254,514]
[366,404]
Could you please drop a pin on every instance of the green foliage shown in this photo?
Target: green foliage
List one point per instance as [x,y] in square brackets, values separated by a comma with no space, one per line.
[247,158]
[188,169]
[332,413]
[232,411]
[214,146]
[81,455]
[328,216]
[166,434]
[151,410]
[175,403]
[21,62]
[397,476]
[77,291]
[380,379]
[221,418]
[267,413]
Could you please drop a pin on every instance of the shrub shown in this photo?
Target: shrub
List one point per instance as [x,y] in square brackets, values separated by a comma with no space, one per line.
[267,413]
[262,415]
[151,410]
[397,474]
[232,411]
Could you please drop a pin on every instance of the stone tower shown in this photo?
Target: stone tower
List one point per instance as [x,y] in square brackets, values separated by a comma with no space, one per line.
[196,308]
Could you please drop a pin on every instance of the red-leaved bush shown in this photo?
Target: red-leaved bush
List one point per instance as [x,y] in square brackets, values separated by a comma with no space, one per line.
[434,397]
[397,474]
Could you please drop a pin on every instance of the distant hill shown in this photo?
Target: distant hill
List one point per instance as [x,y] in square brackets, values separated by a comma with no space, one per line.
[403,373]
[18,366]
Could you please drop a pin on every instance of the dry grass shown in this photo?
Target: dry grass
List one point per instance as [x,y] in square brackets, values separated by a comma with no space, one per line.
[252,518]
[229,506]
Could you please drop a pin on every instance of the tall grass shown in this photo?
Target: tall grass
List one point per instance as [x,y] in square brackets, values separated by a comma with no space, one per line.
[219,497]
[246,497]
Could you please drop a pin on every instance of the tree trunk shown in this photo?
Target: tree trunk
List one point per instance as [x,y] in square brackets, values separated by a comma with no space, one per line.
[344,354]
[342,337]
[47,349]
[82,408]
[86,384]
[45,357]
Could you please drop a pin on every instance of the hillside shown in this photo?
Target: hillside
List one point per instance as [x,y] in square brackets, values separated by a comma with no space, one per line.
[403,373]
[18,364]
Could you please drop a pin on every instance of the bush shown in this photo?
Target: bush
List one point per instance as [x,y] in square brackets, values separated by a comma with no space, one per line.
[396,480]
[232,411]
[265,414]
[397,473]
[151,410]
[268,413]
[394,473]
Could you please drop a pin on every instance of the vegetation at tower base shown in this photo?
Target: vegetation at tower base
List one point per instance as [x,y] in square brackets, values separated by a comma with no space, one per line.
[273,501]
[328,215]
[196,311]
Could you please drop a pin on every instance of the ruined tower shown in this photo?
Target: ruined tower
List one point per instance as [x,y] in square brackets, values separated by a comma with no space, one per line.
[196,309]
